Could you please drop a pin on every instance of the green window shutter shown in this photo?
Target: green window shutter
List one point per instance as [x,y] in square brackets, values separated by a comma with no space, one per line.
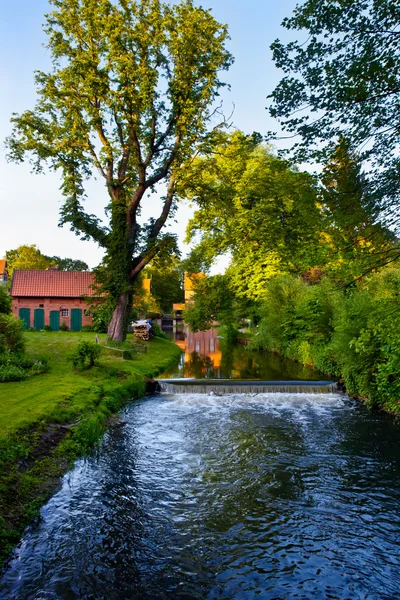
[25,315]
[55,320]
[76,319]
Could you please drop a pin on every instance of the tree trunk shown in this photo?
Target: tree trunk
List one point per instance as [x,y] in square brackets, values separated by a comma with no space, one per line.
[119,321]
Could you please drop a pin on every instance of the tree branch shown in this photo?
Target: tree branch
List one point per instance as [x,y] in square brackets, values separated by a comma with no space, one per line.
[166,209]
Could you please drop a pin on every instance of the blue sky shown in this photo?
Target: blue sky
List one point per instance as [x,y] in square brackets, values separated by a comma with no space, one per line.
[30,203]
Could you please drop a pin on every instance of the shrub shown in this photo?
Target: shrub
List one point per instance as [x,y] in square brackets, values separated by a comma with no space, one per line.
[16,359]
[40,365]
[47,328]
[63,327]
[156,331]
[101,316]
[5,301]
[87,328]
[11,334]
[12,373]
[84,352]
[353,334]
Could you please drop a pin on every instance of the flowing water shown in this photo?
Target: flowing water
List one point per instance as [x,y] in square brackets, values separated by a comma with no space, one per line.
[279,496]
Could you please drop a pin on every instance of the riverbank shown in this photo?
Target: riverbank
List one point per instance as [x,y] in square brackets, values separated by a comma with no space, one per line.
[49,420]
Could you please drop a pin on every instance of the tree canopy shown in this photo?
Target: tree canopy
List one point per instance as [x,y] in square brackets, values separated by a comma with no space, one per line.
[255,206]
[129,97]
[27,257]
[30,257]
[166,282]
[69,264]
[343,79]
[356,242]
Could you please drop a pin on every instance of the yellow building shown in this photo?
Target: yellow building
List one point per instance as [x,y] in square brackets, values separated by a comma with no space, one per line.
[146,284]
[189,284]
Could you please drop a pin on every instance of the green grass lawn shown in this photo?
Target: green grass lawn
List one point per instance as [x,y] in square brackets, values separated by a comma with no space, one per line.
[63,391]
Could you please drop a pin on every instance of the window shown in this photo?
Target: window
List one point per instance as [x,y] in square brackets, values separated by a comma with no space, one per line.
[64,312]
[41,305]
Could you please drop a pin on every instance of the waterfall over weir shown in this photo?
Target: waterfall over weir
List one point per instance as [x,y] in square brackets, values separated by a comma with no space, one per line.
[220,387]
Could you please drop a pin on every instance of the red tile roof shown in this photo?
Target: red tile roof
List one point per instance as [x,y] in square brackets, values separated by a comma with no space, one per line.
[52,283]
[3,265]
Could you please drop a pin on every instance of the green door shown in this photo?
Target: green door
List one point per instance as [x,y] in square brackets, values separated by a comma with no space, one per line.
[76,319]
[55,320]
[38,318]
[25,315]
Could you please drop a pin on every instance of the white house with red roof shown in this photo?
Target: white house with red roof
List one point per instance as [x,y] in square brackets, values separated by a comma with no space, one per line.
[52,298]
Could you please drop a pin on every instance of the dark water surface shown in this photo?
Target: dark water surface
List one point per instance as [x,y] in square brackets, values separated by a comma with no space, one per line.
[207,355]
[271,496]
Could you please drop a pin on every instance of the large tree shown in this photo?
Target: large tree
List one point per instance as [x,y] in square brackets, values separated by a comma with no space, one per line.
[356,242]
[27,257]
[255,206]
[342,77]
[130,96]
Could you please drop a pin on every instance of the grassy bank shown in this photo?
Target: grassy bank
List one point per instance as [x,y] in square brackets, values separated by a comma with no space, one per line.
[50,419]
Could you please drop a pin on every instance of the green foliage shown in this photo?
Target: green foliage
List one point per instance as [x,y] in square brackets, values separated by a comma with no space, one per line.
[213,300]
[12,373]
[101,315]
[11,334]
[5,301]
[40,365]
[47,328]
[16,366]
[130,96]
[27,257]
[166,275]
[156,331]
[84,352]
[355,243]
[354,335]
[87,328]
[255,206]
[344,79]
[89,432]
[68,264]
[63,327]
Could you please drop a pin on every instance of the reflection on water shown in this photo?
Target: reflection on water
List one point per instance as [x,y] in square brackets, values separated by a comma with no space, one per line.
[208,355]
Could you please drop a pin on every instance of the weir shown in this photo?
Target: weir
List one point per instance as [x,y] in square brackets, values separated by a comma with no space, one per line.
[220,387]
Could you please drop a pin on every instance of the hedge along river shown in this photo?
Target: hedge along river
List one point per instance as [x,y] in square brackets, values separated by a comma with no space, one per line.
[239,496]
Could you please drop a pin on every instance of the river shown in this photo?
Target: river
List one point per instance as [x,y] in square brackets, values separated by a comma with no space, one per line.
[277,496]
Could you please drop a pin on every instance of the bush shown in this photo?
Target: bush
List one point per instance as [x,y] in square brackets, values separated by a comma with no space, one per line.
[11,334]
[63,327]
[87,328]
[101,316]
[84,352]
[47,328]
[5,301]
[40,365]
[156,331]
[16,359]
[352,334]
[12,373]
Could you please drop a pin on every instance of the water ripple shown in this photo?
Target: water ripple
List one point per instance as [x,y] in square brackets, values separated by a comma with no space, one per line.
[273,496]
